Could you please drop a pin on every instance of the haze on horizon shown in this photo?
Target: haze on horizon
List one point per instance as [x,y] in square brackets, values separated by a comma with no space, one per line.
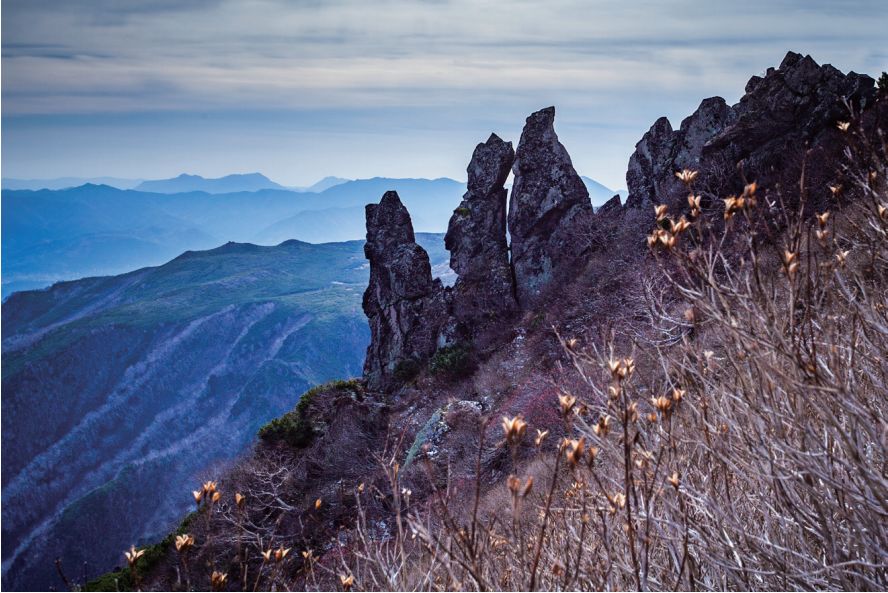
[300,90]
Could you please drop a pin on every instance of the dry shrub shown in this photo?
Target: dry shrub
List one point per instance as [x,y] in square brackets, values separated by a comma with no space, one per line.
[739,444]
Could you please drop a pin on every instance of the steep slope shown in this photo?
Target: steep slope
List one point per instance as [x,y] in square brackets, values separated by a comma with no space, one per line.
[370,454]
[120,391]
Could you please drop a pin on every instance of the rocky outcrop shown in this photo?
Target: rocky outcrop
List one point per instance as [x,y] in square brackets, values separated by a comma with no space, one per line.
[785,117]
[662,151]
[476,239]
[405,306]
[549,201]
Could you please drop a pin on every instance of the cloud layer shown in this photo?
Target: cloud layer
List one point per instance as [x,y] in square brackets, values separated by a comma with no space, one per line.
[301,89]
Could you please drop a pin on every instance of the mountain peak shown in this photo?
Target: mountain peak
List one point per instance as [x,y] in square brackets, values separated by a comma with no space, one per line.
[237,182]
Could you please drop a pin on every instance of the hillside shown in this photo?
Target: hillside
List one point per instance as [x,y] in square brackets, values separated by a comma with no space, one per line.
[664,393]
[119,391]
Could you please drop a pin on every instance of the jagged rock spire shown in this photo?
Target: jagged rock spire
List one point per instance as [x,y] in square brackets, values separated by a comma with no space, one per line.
[548,199]
[662,151]
[476,238]
[405,306]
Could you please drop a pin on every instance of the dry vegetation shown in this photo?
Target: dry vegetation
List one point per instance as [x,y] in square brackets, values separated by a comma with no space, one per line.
[739,444]
[737,441]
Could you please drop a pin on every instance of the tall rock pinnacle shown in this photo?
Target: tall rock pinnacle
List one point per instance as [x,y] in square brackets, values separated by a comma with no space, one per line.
[476,238]
[406,308]
[548,199]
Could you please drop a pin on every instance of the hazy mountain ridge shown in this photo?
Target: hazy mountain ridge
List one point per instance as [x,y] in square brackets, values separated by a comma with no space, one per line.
[184,183]
[54,235]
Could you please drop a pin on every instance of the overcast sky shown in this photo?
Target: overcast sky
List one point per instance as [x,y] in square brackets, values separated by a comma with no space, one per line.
[303,89]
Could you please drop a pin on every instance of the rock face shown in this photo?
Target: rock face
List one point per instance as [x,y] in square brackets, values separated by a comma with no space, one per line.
[406,308]
[786,116]
[549,201]
[662,151]
[476,238]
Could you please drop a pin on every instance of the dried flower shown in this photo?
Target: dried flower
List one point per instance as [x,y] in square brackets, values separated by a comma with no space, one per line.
[281,553]
[622,368]
[132,555]
[571,343]
[566,401]
[602,427]
[318,504]
[822,218]
[198,496]
[347,582]
[183,542]
[514,429]
[822,235]
[574,450]
[662,403]
[209,487]
[667,239]
[632,412]
[680,226]
[836,189]
[218,580]
[841,256]
[843,125]
[660,211]
[686,176]
[308,554]
[266,555]
[678,394]
[217,496]
[618,501]
[694,201]
[674,480]
[541,435]
[239,499]
[883,211]
[734,204]
[361,488]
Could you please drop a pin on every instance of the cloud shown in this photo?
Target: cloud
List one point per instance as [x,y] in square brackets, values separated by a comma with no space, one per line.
[607,65]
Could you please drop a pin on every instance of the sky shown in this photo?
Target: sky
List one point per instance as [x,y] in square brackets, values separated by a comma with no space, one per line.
[301,89]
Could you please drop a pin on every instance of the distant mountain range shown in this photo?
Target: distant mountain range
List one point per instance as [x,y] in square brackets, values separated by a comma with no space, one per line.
[66,182]
[599,194]
[119,391]
[91,230]
[223,185]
